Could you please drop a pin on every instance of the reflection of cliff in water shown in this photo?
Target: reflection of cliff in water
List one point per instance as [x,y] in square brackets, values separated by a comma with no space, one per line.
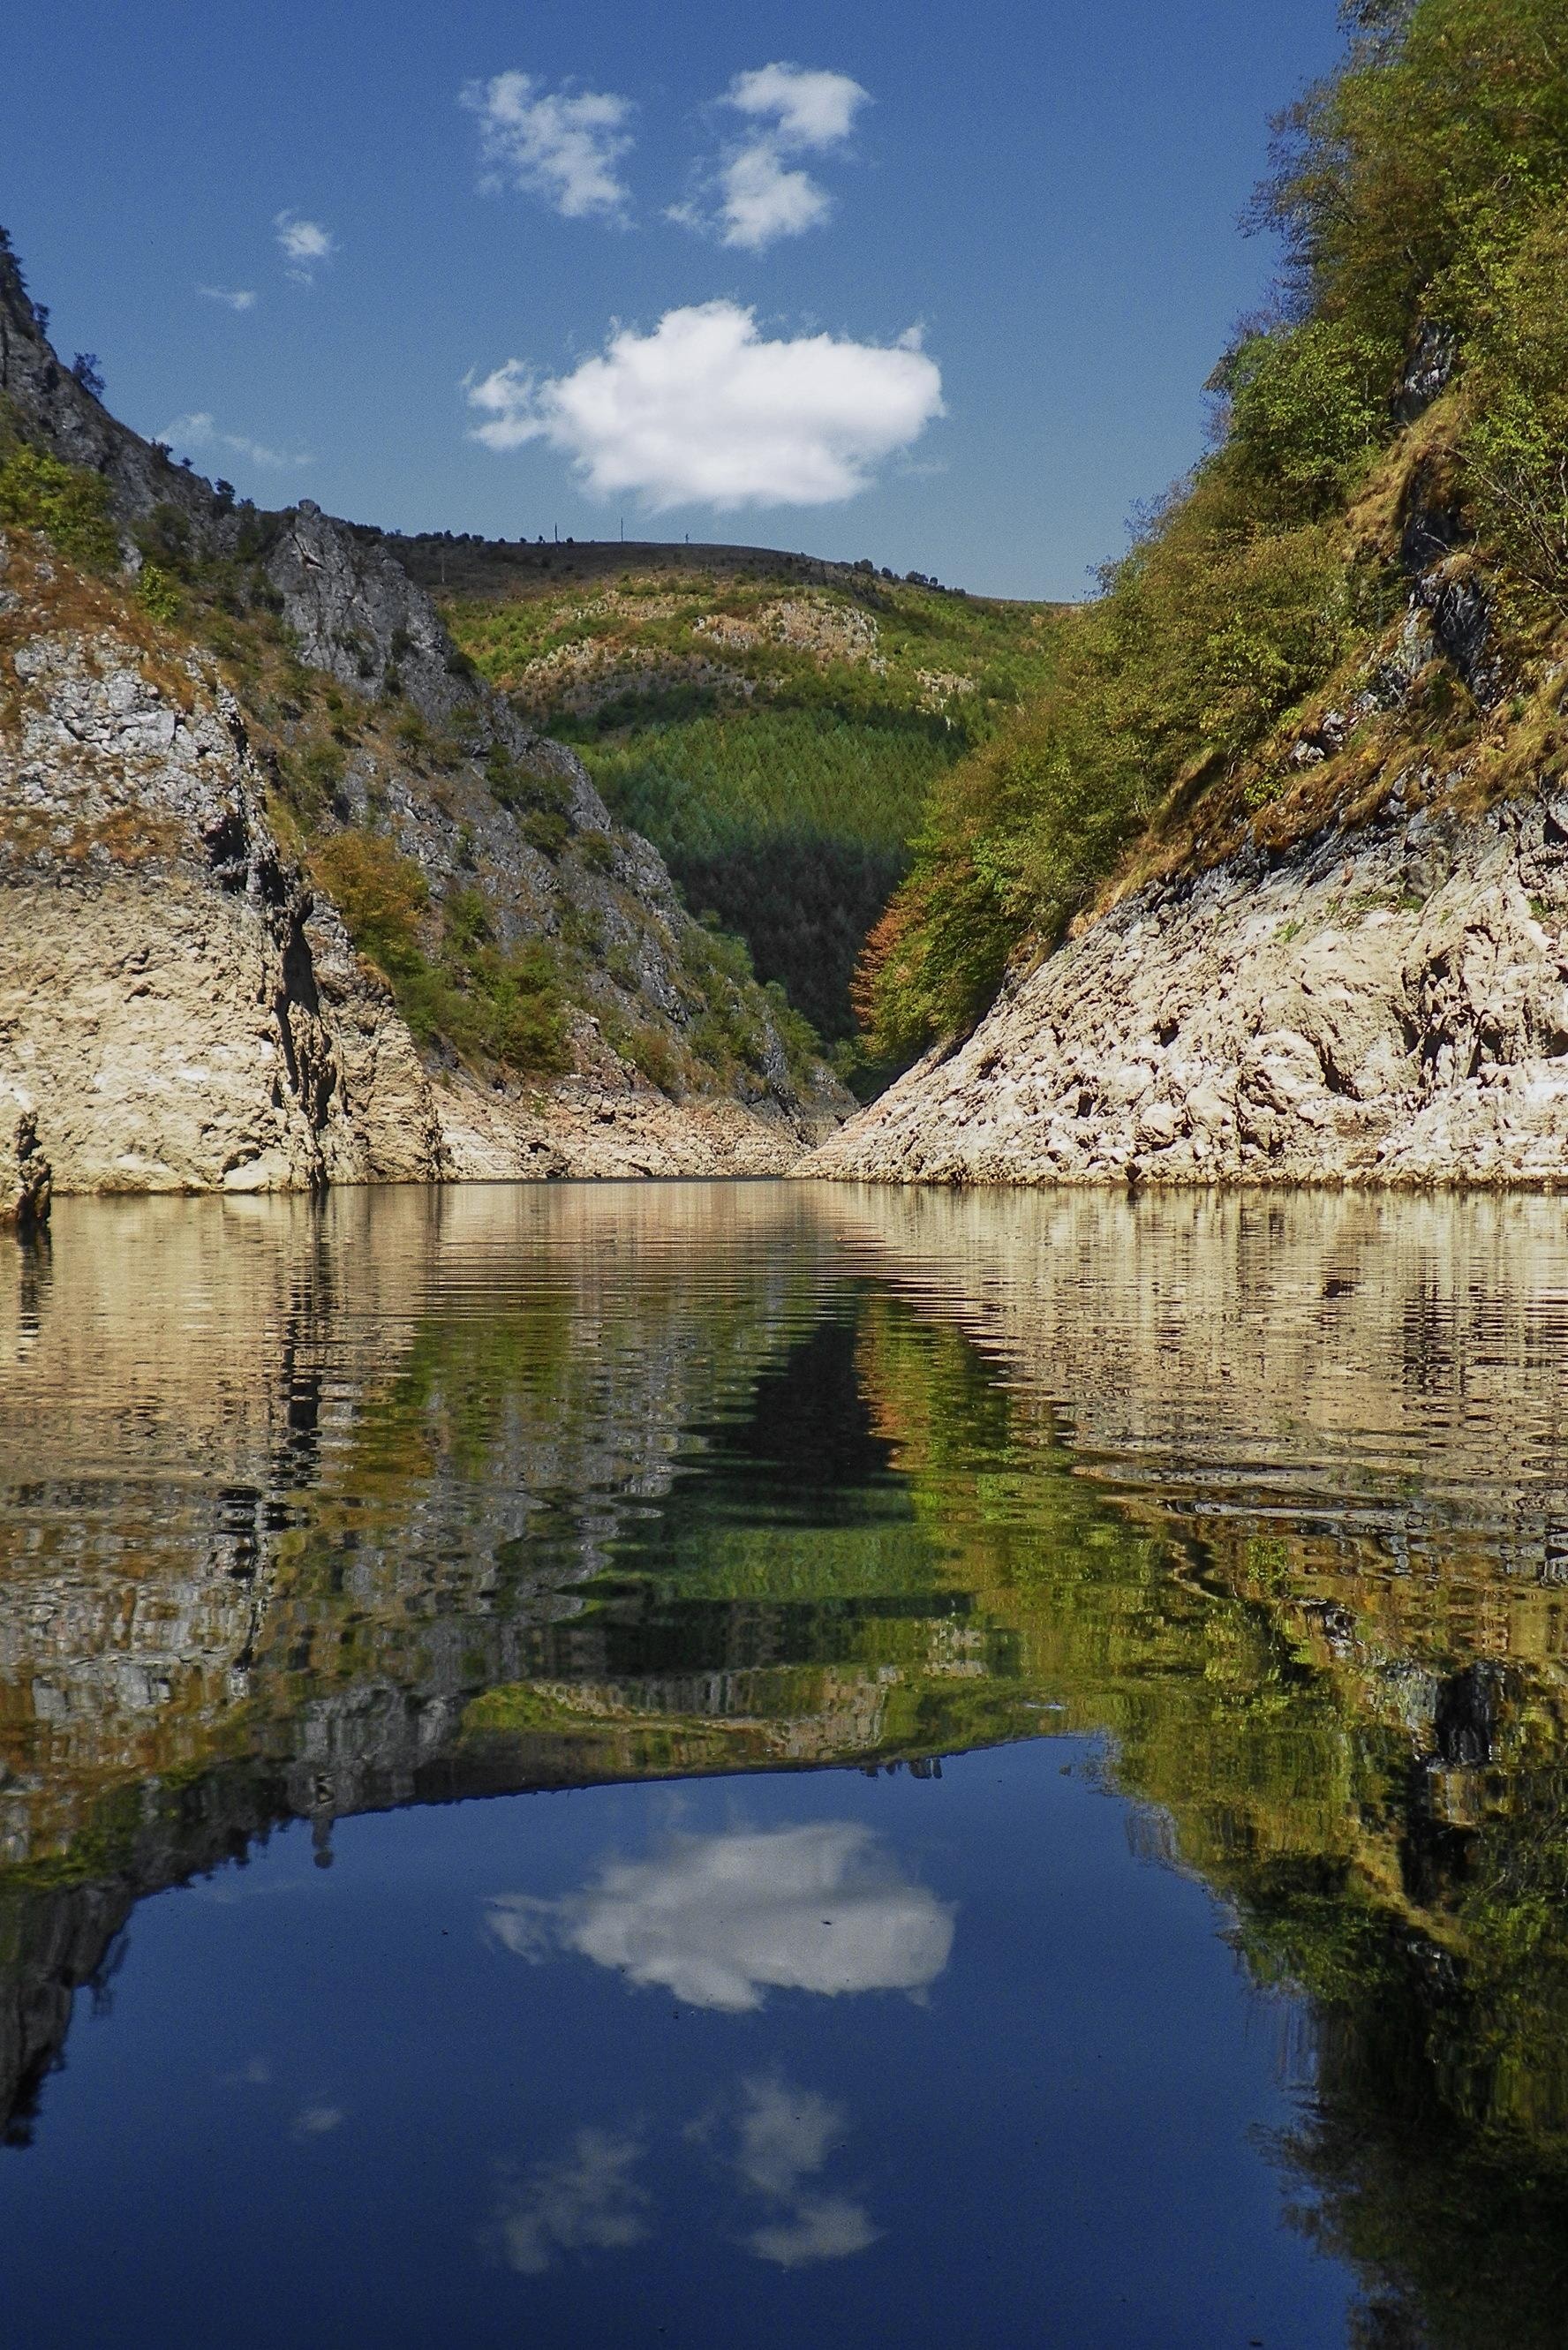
[411,1498]
[1338,1678]
[315,1520]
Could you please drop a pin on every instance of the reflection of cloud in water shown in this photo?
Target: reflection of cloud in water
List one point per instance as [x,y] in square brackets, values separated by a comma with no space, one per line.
[315,2121]
[585,2200]
[786,2136]
[721,1919]
[824,2228]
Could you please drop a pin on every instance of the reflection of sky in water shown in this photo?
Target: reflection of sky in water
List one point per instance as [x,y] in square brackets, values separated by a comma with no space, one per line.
[327,2106]
[784,2138]
[585,2200]
[769,2140]
[720,1921]
[679,2115]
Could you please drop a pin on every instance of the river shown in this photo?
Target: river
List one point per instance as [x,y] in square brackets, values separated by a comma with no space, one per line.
[777,1763]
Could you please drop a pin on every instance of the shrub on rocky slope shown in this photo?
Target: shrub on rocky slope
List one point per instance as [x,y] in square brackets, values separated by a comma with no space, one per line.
[534,948]
[1365,580]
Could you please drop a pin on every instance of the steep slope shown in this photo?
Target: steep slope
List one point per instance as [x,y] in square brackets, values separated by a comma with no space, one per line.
[290,895]
[773,722]
[1273,879]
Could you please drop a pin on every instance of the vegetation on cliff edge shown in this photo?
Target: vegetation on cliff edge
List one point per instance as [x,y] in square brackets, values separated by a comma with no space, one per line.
[1393,436]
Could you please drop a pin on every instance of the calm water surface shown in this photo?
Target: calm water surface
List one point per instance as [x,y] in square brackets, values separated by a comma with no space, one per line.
[779,1766]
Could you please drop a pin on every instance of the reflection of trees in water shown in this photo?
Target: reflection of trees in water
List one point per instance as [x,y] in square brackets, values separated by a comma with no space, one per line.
[327,1573]
[627,1519]
[1390,1824]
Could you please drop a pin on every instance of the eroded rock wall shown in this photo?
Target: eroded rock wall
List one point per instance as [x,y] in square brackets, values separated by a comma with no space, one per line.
[181,1010]
[1388,1005]
[176,1013]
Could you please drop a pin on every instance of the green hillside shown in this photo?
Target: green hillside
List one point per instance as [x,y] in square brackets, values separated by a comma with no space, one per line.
[774,723]
[1363,583]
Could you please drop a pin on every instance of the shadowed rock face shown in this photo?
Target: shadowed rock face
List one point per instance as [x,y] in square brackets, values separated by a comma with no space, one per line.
[1384,1007]
[179,1010]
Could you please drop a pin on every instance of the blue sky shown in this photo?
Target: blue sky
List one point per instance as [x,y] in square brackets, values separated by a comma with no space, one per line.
[1025,213]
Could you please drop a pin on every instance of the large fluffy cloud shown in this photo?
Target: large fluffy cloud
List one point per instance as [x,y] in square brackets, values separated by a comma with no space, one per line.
[721,1919]
[708,410]
[564,147]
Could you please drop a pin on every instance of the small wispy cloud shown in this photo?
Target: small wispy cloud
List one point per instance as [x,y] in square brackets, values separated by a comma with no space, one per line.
[316,2121]
[305,245]
[587,2200]
[232,298]
[757,194]
[562,145]
[807,109]
[255,2073]
[199,432]
[786,2136]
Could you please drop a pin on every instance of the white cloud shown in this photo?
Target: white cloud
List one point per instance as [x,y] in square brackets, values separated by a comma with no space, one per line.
[820,2227]
[764,200]
[316,2121]
[584,2201]
[755,196]
[786,2136]
[548,143]
[233,298]
[200,431]
[720,1921]
[708,410]
[808,109]
[304,244]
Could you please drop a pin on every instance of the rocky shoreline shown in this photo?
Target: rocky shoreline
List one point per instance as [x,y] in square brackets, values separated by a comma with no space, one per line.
[1381,1006]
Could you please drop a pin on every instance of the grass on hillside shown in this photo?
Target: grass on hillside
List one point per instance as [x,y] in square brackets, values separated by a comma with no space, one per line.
[777,739]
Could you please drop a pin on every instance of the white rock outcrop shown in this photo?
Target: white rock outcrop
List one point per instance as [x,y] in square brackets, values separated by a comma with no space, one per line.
[1387,1005]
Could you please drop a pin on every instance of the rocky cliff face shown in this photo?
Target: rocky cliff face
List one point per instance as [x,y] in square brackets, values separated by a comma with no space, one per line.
[176,1011]
[182,1006]
[1386,1003]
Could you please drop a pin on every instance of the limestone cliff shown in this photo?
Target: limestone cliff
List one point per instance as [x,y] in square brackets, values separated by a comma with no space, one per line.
[1340,958]
[198,754]
[1386,1003]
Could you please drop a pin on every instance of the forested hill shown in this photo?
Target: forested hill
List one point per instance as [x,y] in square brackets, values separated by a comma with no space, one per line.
[773,722]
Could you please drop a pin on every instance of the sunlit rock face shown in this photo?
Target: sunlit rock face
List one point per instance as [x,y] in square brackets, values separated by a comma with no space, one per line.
[1385,1005]
[176,1013]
